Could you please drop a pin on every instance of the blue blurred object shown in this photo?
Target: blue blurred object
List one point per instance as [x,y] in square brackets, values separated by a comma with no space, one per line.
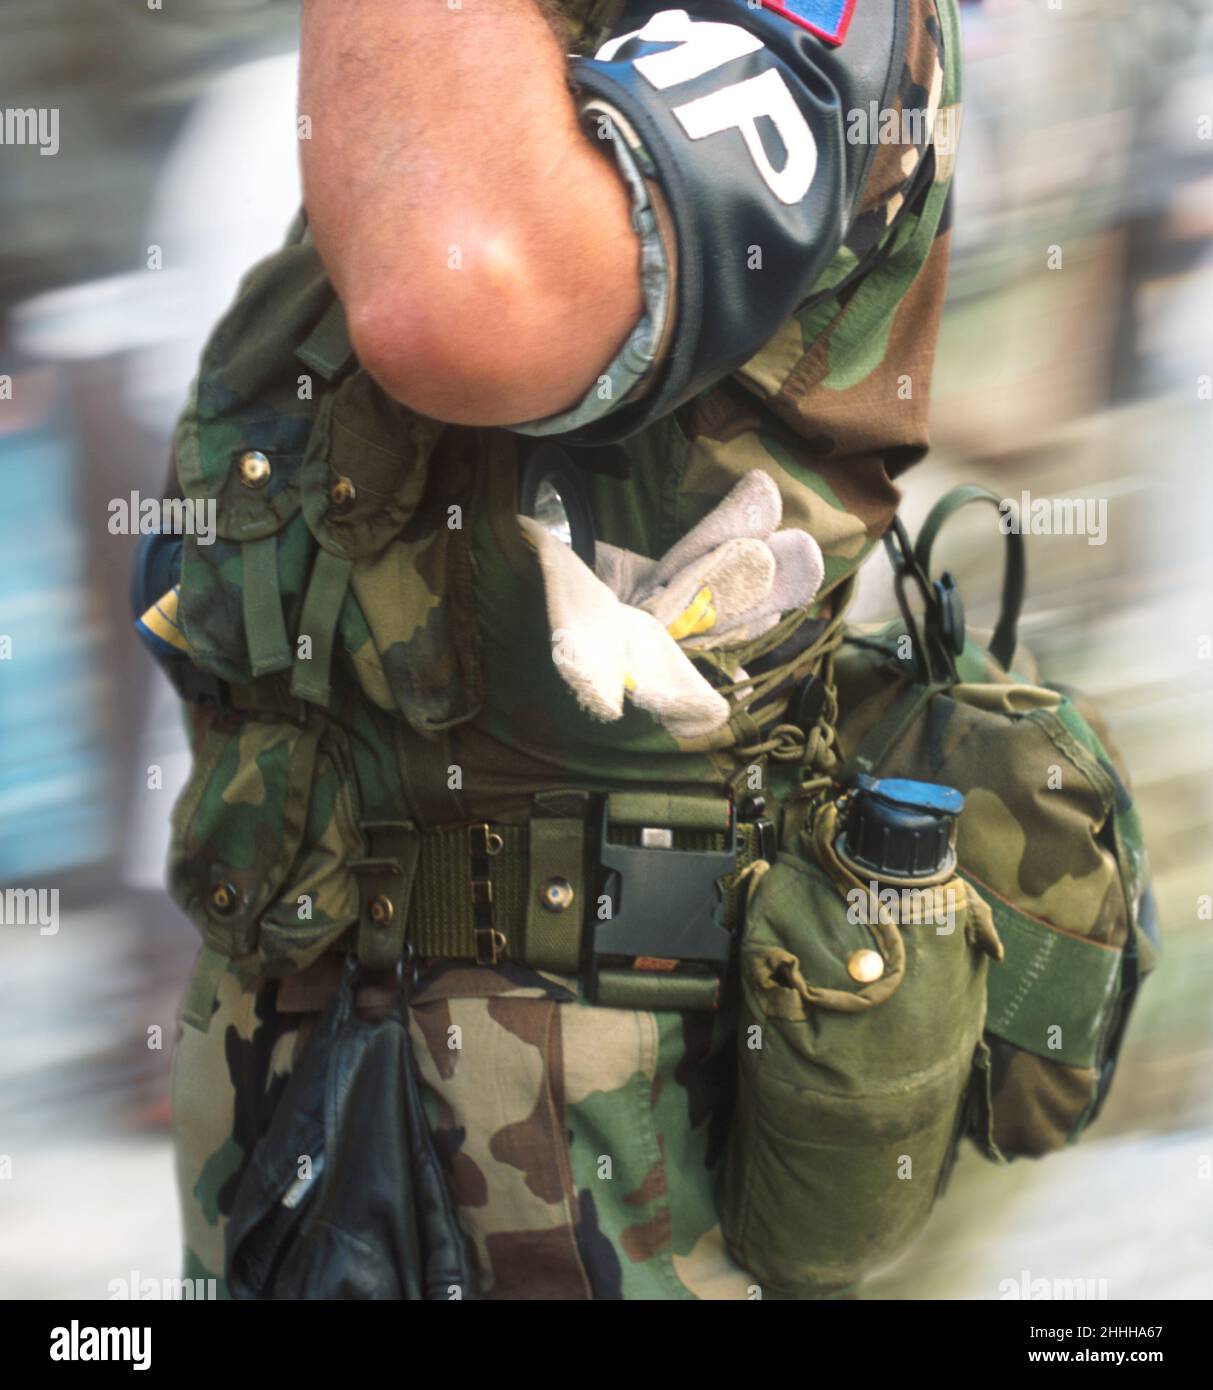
[155,589]
[53,813]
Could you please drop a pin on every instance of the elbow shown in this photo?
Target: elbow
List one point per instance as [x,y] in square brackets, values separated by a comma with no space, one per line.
[496,344]
[441,357]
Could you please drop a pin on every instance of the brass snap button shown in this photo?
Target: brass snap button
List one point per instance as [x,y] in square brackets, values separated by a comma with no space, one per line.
[342,494]
[556,894]
[224,899]
[865,966]
[381,910]
[254,468]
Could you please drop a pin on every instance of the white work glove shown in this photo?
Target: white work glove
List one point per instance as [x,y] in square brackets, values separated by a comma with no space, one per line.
[624,629]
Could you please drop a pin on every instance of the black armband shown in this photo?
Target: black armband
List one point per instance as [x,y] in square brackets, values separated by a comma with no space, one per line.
[743,113]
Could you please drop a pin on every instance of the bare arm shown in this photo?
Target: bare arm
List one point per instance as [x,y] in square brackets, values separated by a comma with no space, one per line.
[481,243]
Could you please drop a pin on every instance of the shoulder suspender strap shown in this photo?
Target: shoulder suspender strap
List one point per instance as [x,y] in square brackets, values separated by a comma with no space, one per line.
[321,610]
[264,626]
[327,349]
[886,733]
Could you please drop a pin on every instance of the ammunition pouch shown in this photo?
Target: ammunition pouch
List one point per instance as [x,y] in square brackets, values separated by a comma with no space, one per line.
[264,837]
[340,538]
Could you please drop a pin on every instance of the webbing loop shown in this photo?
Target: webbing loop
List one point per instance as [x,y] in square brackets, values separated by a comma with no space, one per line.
[264,624]
[321,611]
[1014,580]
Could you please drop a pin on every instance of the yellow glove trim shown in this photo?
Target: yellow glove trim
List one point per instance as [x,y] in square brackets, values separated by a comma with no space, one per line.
[698,616]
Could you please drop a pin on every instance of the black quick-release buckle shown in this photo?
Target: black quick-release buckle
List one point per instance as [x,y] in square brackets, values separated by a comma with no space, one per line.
[664,906]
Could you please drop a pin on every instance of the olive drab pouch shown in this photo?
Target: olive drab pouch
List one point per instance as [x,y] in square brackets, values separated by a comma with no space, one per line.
[330,502]
[862,1005]
[344,1195]
[1049,838]
[263,838]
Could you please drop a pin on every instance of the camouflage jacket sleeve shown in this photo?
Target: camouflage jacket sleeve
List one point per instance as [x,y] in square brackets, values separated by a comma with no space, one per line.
[742,114]
[850,371]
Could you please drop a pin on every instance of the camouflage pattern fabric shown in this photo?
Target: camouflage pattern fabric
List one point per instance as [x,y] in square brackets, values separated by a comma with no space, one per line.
[262,840]
[443,623]
[582,1145]
[1051,840]
[370,597]
[833,405]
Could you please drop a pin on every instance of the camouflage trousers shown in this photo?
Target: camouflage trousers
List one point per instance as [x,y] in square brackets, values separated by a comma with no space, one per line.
[581,1144]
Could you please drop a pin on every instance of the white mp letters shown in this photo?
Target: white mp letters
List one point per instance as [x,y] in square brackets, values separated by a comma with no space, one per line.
[704,45]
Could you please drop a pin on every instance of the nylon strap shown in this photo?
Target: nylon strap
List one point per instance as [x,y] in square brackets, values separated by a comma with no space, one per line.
[638,989]
[321,610]
[199,1002]
[670,809]
[737,888]
[385,885]
[264,626]
[484,845]
[1052,993]
[442,922]
[327,349]
[553,924]
[1014,580]
[883,736]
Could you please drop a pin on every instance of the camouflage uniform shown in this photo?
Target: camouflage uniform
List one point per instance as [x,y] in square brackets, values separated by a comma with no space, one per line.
[582,1143]
[1065,873]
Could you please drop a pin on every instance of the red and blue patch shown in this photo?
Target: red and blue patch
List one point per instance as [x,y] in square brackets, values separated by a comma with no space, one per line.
[828,19]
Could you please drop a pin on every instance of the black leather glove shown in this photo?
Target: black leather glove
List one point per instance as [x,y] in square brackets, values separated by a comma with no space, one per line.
[375,1221]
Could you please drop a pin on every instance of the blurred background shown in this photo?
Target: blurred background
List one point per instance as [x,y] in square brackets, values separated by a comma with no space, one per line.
[1075,360]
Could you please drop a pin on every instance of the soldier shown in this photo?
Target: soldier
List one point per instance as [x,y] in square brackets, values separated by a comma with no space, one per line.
[669,299]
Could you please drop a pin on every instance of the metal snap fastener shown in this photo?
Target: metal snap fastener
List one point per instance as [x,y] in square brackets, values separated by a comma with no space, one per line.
[493,843]
[254,468]
[342,494]
[556,894]
[865,966]
[381,910]
[224,899]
